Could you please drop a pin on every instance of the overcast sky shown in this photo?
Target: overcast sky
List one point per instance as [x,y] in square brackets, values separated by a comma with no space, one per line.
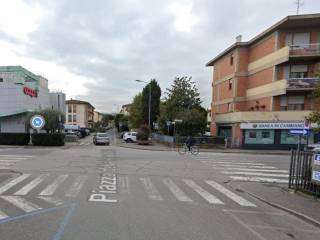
[94,50]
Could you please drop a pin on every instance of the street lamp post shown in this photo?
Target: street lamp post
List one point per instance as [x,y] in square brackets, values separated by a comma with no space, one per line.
[149,101]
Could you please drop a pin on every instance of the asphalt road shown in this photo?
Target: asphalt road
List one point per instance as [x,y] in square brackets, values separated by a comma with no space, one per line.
[105,192]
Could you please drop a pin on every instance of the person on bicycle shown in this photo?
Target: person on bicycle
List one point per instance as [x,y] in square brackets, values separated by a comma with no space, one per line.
[190,142]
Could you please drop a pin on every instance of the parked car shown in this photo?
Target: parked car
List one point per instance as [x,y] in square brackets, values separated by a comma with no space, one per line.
[130,137]
[101,138]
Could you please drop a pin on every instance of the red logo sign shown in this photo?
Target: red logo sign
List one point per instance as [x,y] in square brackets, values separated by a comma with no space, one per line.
[30,92]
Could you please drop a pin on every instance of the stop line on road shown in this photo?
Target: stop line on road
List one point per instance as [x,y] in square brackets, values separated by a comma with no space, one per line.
[7,161]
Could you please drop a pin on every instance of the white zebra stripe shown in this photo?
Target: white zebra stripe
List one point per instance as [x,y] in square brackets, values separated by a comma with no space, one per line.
[238,199]
[258,179]
[176,191]
[3,215]
[124,184]
[151,191]
[13,182]
[257,170]
[35,182]
[203,193]
[257,174]
[51,188]
[21,203]
[241,166]
[51,200]
[240,163]
[76,186]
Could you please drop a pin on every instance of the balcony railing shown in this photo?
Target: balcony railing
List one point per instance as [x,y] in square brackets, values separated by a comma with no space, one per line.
[305,49]
[302,83]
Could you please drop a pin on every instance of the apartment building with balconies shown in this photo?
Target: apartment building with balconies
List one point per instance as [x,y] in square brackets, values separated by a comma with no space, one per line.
[263,88]
[79,113]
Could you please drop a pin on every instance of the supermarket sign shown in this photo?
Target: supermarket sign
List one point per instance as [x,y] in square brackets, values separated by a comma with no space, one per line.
[277,125]
[30,92]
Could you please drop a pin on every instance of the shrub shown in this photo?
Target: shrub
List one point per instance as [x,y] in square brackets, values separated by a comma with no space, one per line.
[141,136]
[14,138]
[48,139]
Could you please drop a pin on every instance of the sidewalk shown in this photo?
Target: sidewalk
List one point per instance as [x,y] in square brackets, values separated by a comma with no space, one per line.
[161,147]
[303,206]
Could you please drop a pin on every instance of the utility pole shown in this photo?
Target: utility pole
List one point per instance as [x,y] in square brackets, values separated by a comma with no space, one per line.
[299,4]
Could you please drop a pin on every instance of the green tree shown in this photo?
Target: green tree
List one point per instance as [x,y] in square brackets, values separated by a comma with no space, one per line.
[52,118]
[155,102]
[135,112]
[106,119]
[121,122]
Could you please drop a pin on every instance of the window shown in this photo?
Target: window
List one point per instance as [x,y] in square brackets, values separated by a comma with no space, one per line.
[230,84]
[297,40]
[265,134]
[69,108]
[1,79]
[74,108]
[252,134]
[231,59]
[296,71]
[291,103]
[69,118]
[74,118]
[259,136]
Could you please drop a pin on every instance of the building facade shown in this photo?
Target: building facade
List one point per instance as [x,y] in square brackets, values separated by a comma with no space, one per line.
[79,113]
[58,101]
[20,92]
[97,116]
[263,88]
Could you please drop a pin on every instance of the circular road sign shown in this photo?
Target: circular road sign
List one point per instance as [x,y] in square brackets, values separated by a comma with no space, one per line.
[37,122]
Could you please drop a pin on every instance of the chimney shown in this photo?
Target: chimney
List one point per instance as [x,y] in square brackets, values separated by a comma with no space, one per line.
[239,38]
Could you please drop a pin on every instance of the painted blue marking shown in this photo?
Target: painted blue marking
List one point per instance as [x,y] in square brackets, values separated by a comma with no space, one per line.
[10,219]
[64,223]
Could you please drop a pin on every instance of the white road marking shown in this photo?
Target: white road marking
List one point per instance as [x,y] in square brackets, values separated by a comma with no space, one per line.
[257,170]
[7,160]
[257,174]
[3,215]
[87,144]
[203,193]
[13,183]
[6,163]
[16,156]
[176,191]
[51,188]
[238,199]
[124,184]
[152,192]
[259,179]
[240,163]
[241,166]
[76,186]
[81,143]
[52,200]
[21,203]
[1,167]
[31,185]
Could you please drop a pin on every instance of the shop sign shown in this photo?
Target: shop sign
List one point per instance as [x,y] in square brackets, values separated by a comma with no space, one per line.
[283,125]
[316,168]
[30,92]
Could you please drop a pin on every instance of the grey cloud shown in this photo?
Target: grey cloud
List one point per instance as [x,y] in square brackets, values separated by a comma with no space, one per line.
[137,40]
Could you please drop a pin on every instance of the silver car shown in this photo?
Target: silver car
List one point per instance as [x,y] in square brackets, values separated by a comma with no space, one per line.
[101,138]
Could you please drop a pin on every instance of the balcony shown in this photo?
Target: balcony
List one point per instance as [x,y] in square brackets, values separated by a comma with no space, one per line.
[298,84]
[305,51]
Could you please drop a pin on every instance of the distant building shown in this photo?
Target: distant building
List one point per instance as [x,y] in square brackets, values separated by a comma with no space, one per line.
[125,109]
[58,101]
[263,88]
[79,113]
[97,116]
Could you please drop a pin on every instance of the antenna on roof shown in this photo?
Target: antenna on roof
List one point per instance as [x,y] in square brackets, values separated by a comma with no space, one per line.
[299,4]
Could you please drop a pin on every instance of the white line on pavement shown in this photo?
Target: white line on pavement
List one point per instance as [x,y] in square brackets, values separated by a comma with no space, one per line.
[11,161]
[259,179]
[31,185]
[13,183]
[21,203]
[52,200]
[16,156]
[176,191]
[51,188]
[75,188]
[7,163]
[81,143]
[241,166]
[203,193]
[256,170]
[238,199]
[257,174]
[3,215]
[240,163]
[151,191]
[124,184]
[87,144]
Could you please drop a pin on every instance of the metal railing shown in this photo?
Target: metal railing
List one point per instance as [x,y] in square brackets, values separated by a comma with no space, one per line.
[300,176]
[302,83]
[305,49]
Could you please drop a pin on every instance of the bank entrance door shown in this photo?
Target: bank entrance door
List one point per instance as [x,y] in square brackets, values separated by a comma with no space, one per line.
[225,131]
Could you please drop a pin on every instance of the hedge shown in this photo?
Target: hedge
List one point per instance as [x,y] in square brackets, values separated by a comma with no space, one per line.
[48,139]
[14,138]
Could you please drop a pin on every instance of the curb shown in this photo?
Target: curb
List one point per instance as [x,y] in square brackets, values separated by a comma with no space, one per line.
[299,215]
[145,149]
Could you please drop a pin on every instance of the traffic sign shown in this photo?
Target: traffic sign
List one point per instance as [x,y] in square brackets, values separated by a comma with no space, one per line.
[299,132]
[37,122]
[317,157]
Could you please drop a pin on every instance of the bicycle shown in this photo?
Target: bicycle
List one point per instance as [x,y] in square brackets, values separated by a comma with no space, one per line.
[194,150]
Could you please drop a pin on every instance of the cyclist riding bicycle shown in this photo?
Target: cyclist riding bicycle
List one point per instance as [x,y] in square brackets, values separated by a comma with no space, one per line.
[190,142]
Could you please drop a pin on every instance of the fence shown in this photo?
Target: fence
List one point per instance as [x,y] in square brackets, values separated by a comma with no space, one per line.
[300,177]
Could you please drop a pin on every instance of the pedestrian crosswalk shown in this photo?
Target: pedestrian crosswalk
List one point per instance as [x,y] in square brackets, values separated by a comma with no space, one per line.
[247,171]
[8,161]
